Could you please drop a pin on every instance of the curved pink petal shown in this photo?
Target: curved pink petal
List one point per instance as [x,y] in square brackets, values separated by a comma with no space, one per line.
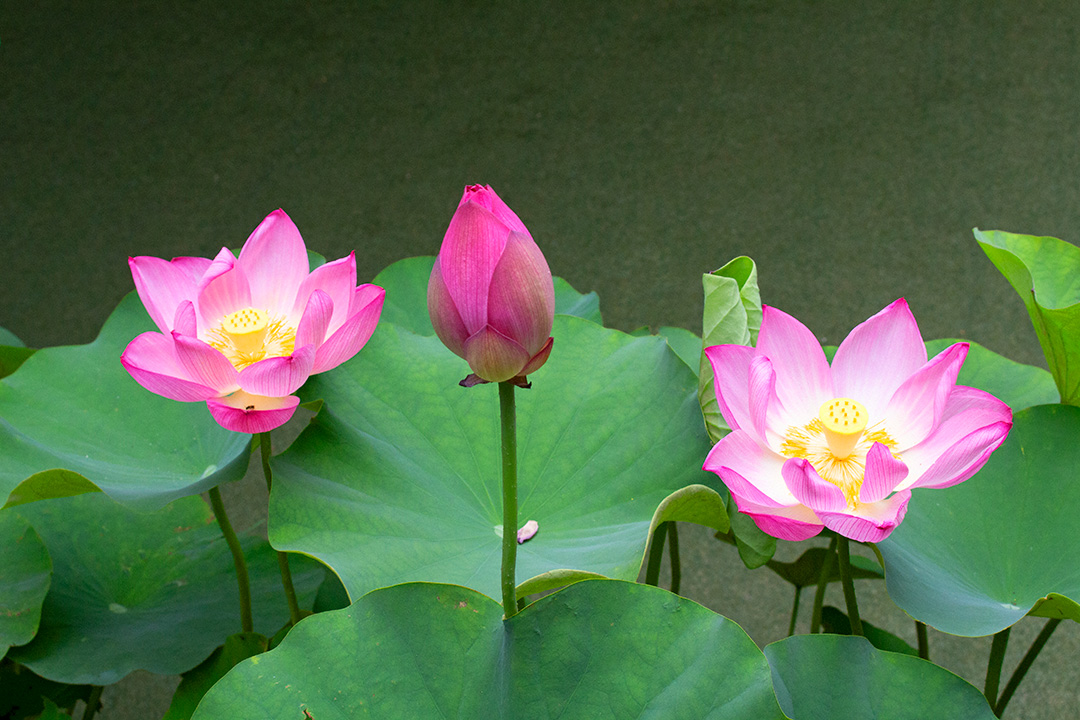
[882,475]
[484,196]
[877,356]
[162,287]
[185,322]
[916,407]
[750,470]
[803,379]
[195,267]
[873,522]
[493,356]
[338,280]
[225,294]
[768,420]
[731,376]
[222,263]
[521,298]
[537,361]
[470,251]
[315,319]
[151,360]
[275,263]
[205,364]
[364,311]
[794,523]
[444,315]
[810,489]
[279,376]
[246,413]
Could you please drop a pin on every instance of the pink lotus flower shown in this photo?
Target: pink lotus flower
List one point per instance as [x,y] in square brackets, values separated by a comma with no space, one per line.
[842,447]
[490,296]
[243,334]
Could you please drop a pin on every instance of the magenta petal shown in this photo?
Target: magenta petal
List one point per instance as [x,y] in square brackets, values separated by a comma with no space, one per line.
[877,356]
[521,299]
[794,523]
[873,522]
[731,375]
[916,407]
[275,263]
[195,267]
[537,361]
[484,196]
[338,280]
[883,473]
[151,359]
[350,337]
[764,405]
[444,315]
[470,251]
[242,412]
[493,356]
[225,294]
[315,319]
[279,376]
[803,379]
[205,364]
[810,489]
[750,470]
[185,322]
[162,286]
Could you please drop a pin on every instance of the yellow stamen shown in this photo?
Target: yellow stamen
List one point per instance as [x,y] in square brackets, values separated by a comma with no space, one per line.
[250,335]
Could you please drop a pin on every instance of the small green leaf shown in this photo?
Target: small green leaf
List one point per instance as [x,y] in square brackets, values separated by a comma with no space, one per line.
[694,503]
[11,358]
[197,681]
[569,301]
[806,569]
[836,622]
[553,580]
[25,574]
[755,547]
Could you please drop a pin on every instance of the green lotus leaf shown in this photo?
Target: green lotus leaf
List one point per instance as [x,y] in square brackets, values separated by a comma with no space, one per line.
[197,681]
[399,477]
[846,678]
[974,558]
[1017,385]
[755,547]
[599,649]
[76,409]
[25,574]
[13,352]
[835,621]
[152,591]
[25,695]
[805,570]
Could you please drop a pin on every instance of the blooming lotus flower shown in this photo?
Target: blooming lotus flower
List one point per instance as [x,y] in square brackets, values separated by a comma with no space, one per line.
[244,333]
[490,296]
[842,447]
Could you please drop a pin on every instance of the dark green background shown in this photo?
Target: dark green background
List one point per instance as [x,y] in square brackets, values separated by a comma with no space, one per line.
[848,146]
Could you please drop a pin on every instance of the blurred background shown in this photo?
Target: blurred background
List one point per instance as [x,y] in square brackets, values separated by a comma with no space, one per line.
[848,146]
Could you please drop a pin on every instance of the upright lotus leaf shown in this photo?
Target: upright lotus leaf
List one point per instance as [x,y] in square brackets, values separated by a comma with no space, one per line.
[975,558]
[25,573]
[76,409]
[406,284]
[399,477]
[1045,272]
[598,649]
[846,678]
[150,591]
[13,352]
[1017,385]
[732,317]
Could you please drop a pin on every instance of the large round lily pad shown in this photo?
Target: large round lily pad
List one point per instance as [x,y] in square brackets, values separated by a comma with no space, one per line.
[598,649]
[25,574]
[399,477]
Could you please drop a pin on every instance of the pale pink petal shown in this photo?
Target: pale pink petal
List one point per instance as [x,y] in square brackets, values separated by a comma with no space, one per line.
[185,322]
[225,294]
[444,315]
[246,413]
[537,361]
[521,299]
[873,521]
[162,286]
[493,356]
[794,523]
[470,251]
[347,340]
[338,280]
[731,375]
[151,359]
[205,364]
[315,319]
[877,356]
[279,376]
[810,489]
[883,474]
[803,380]
[222,263]
[768,420]
[486,197]
[916,407]
[275,262]
[750,470]
[195,267]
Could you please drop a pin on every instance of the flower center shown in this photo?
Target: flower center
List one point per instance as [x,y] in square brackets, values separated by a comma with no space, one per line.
[843,421]
[250,335]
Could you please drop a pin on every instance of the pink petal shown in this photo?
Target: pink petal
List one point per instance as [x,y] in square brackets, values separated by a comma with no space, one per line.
[493,356]
[877,356]
[242,412]
[224,294]
[275,262]
[916,407]
[484,196]
[162,287]
[537,361]
[750,470]
[809,489]
[883,474]
[338,280]
[731,375]
[315,319]
[803,379]
[521,299]
[205,364]
[470,251]
[364,311]
[873,522]
[786,523]
[444,315]
[279,376]
[184,322]
[151,359]
[195,267]
[765,409]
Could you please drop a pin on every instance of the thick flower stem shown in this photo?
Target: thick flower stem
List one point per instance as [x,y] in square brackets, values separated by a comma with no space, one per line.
[656,555]
[823,583]
[93,702]
[282,558]
[673,556]
[1025,664]
[924,641]
[844,551]
[993,666]
[242,583]
[794,611]
[508,417]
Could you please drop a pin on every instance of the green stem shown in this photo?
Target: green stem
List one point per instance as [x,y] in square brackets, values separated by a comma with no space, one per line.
[93,702]
[844,549]
[924,641]
[656,555]
[823,582]
[794,611]
[673,556]
[508,418]
[993,666]
[282,558]
[1025,664]
[238,558]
